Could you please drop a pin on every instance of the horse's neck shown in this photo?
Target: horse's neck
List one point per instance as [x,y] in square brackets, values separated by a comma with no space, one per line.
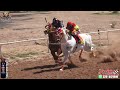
[51,38]
[65,36]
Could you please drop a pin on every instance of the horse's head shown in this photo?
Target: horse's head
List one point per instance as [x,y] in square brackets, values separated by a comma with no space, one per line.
[63,33]
[52,33]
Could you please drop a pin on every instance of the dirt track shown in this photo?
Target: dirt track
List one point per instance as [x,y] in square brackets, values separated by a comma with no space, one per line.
[40,64]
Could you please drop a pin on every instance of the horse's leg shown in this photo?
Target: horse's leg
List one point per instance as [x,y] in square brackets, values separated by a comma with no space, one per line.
[80,54]
[70,59]
[59,52]
[93,54]
[66,55]
[54,56]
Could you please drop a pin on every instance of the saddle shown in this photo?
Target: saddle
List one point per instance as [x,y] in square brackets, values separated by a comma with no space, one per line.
[78,39]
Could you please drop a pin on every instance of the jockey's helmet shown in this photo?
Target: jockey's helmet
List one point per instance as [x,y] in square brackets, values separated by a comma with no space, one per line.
[55,22]
[70,25]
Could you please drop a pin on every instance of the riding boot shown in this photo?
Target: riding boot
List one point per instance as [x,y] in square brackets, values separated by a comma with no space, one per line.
[80,41]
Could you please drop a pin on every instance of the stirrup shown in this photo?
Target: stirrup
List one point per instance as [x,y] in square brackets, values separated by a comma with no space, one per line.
[79,42]
[82,43]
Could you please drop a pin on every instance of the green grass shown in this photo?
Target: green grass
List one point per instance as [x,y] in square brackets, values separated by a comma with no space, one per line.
[23,55]
[26,54]
[12,57]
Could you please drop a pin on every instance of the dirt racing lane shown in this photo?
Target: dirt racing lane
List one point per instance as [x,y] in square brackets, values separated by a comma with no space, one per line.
[45,68]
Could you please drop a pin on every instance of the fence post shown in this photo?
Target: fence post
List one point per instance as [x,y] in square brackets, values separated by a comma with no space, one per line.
[0,52]
[99,37]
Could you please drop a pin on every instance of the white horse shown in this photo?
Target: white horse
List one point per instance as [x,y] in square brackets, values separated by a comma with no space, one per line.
[69,45]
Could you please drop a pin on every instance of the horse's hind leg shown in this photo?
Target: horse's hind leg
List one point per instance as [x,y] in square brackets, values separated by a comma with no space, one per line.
[93,54]
[70,59]
[80,54]
[71,63]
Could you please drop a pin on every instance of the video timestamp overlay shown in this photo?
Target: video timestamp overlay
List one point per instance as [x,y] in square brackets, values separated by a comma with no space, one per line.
[4,69]
[108,74]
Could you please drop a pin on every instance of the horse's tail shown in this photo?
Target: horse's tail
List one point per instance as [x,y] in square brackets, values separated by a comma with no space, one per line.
[90,39]
[93,46]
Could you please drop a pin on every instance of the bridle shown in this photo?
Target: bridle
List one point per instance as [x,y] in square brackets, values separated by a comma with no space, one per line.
[61,33]
[48,31]
[53,30]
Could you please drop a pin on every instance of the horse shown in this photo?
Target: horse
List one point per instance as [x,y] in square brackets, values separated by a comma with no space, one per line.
[54,43]
[69,45]
[6,15]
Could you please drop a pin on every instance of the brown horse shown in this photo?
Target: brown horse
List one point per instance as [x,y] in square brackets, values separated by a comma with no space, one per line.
[54,43]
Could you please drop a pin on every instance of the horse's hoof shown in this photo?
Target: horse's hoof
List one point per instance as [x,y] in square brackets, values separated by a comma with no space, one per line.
[94,55]
[61,69]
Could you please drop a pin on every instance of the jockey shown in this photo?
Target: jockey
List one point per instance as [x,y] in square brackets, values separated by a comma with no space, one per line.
[74,30]
[55,25]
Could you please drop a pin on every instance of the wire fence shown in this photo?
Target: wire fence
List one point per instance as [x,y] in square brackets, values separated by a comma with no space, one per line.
[28,40]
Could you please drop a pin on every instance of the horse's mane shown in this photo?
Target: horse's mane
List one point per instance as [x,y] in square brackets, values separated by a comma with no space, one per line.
[68,35]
